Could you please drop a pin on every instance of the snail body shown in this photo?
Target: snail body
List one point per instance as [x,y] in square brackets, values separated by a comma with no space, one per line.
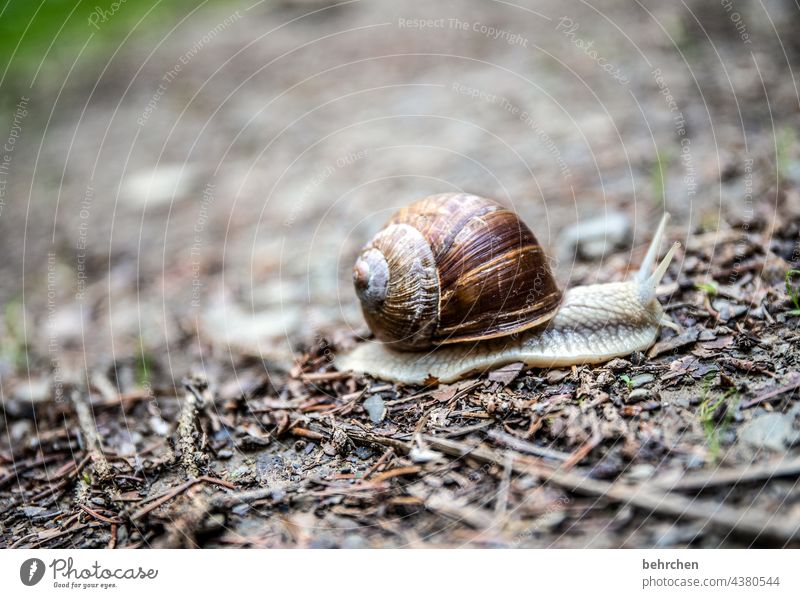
[522,318]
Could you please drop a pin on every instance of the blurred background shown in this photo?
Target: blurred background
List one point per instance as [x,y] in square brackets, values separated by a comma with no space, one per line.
[187,182]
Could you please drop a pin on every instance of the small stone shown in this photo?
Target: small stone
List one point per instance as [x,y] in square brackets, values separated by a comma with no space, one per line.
[556,376]
[21,430]
[687,336]
[354,541]
[641,472]
[638,394]
[694,461]
[33,390]
[160,186]
[593,238]
[506,374]
[774,431]
[526,482]
[708,335]
[339,441]
[728,310]
[376,408]
[214,523]
[651,405]
[641,380]
[363,452]
[159,426]
[617,365]
[423,455]
[33,511]
[551,520]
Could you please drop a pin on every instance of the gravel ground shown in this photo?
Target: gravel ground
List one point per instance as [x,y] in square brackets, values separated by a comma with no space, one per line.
[180,215]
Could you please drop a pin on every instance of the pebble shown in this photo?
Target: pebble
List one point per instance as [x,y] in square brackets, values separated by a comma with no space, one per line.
[676,536]
[694,461]
[556,376]
[159,426]
[551,520]
[33,390]
[33,511]
[363,452]
[376,408]
[641,472]
[641,380]
[728,310]
[20,431]
[594,238]
[526,482]
[638,394]
[617,365]
[354,541]
[214,523]
[774,431]
[423,455]
[160,186]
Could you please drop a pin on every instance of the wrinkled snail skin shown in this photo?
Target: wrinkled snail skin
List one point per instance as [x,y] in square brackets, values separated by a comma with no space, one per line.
[587,329]
[591,324]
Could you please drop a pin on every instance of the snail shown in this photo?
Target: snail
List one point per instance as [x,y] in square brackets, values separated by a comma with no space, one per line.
[455,284]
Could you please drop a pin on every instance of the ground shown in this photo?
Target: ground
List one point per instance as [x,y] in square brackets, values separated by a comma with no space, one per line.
[181,208]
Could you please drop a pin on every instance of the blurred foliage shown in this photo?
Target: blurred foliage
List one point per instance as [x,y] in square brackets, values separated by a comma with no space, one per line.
[13,348]
[709,288]
[657,170]
[41,32]
[716,413]
[144,365]
[793,291]
[785,142]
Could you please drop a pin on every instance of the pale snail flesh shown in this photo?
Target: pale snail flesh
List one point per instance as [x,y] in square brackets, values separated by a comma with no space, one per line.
[591,324]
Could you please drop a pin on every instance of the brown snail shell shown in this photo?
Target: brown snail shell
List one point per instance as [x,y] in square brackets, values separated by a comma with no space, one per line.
[450,268]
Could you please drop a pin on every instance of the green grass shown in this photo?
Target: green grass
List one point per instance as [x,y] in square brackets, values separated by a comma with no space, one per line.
[28,27]
[13,347]
[707,413]
[657,169]
[685,41]
[144,365]
[793,292]
[709,288]
[785,141]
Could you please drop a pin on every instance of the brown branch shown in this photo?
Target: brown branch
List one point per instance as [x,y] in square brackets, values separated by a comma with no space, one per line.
[794,383]
[753,473]
[393,473]
[175,492]
[97,515]
[91,437]
[746,522]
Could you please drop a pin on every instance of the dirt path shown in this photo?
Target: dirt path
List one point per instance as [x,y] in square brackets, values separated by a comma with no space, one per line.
[178,223]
